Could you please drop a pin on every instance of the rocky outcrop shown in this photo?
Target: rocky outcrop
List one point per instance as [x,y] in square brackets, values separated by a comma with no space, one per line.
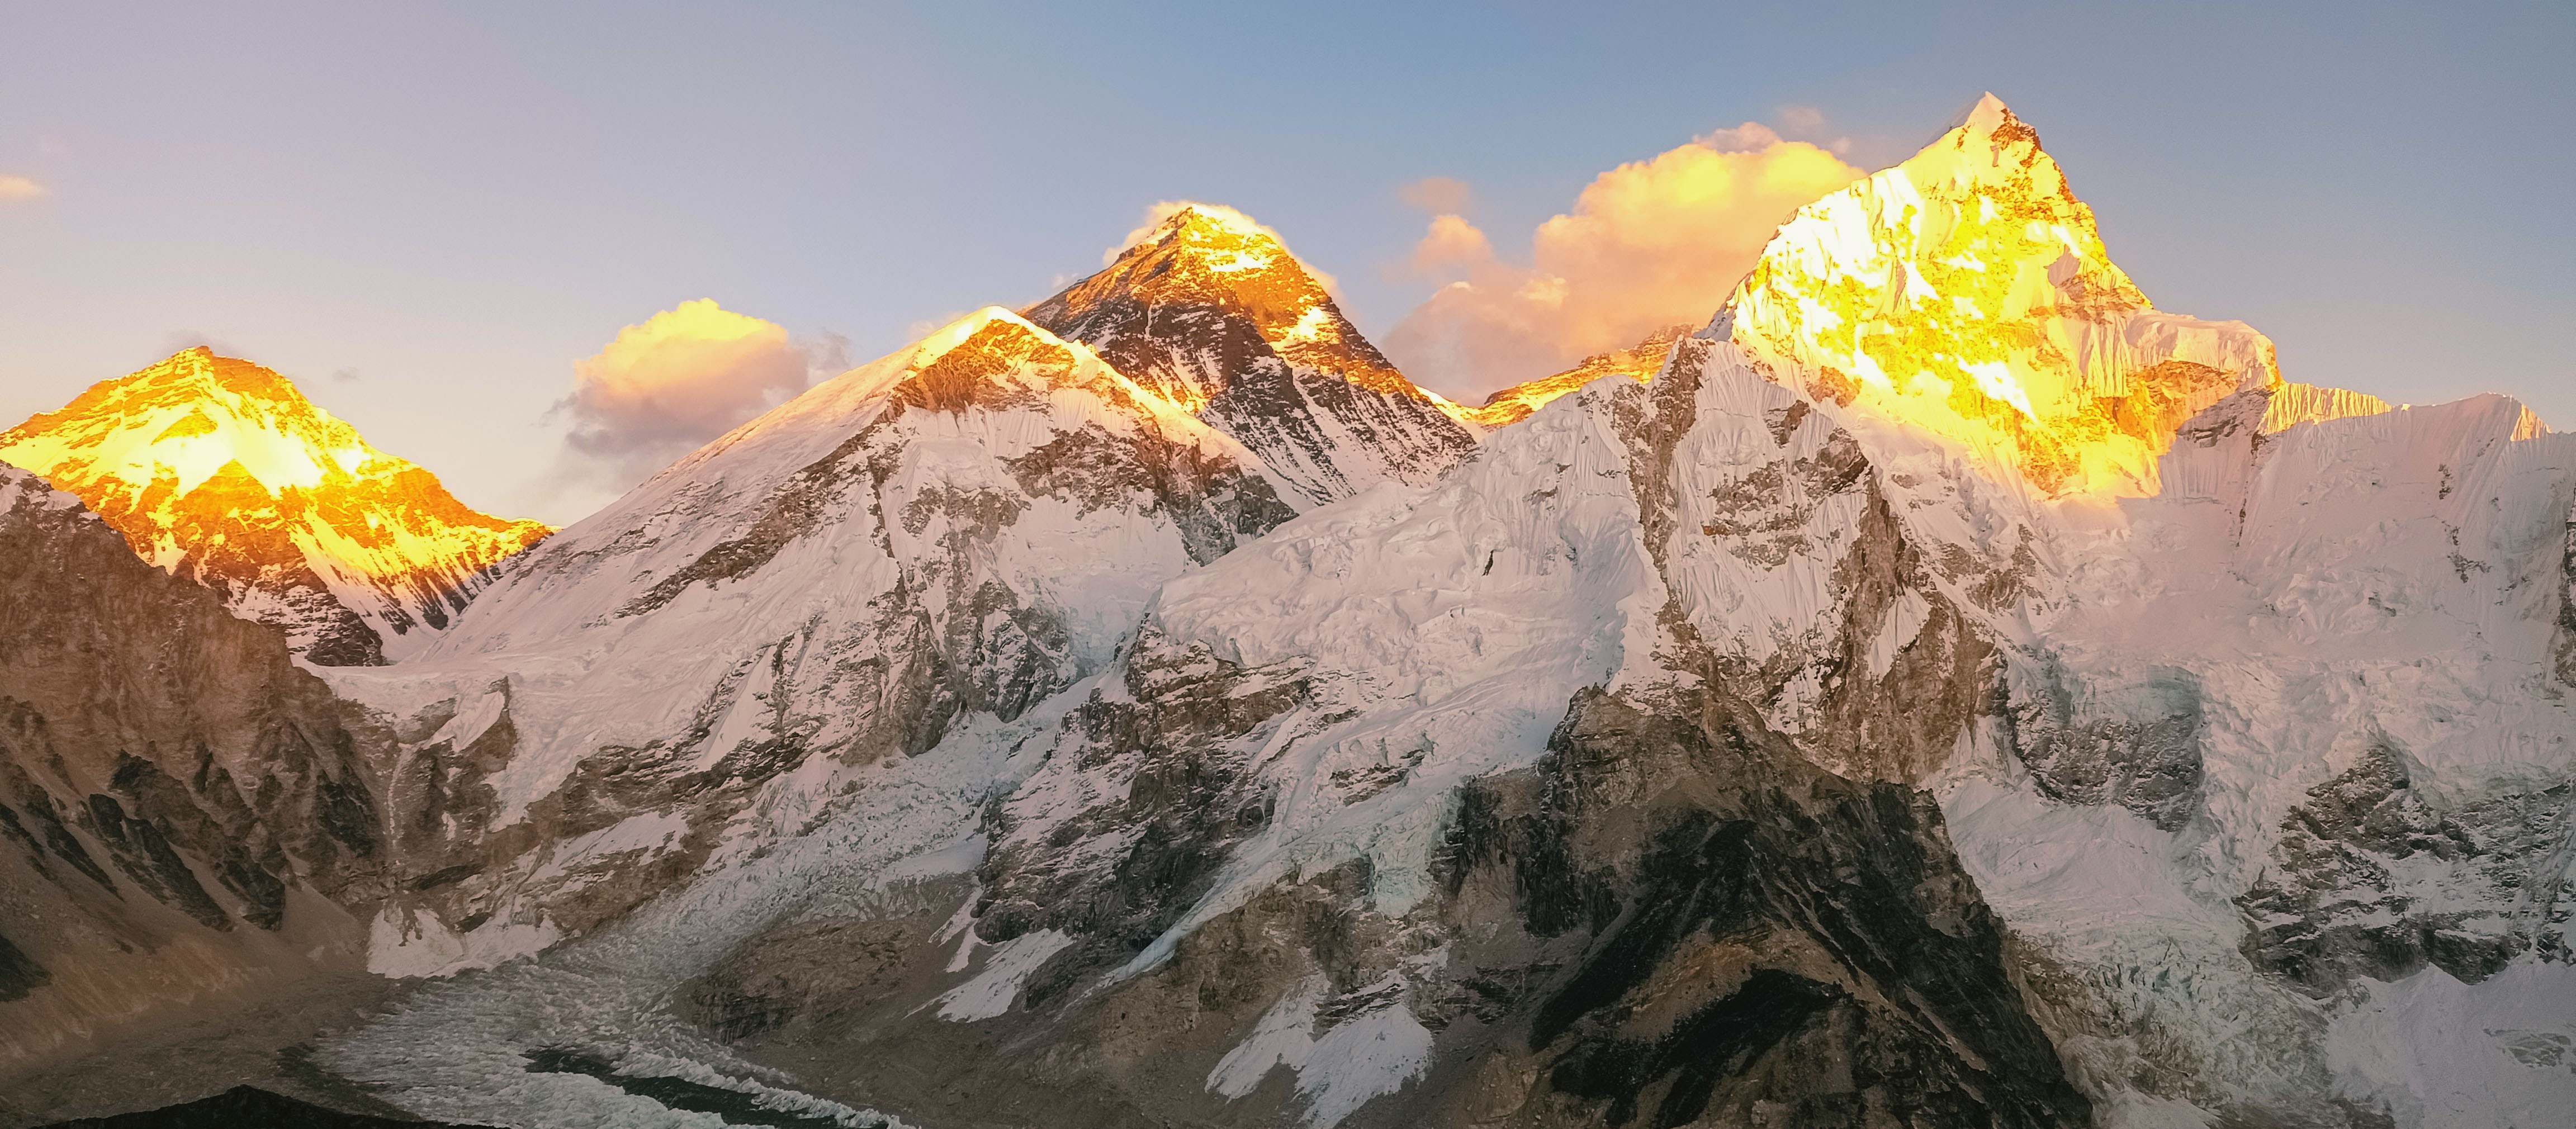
[185,810]
[246,1106]
[1743,937]
[2373,880]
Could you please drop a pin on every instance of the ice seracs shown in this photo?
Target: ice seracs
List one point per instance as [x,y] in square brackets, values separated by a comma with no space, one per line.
[221,471]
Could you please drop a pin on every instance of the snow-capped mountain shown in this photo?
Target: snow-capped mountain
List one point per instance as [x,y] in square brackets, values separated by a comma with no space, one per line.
[1942,690]
[1209,309]
[221,471]
[940,539]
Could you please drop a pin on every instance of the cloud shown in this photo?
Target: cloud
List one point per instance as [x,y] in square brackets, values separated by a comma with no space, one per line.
[1452,245]
[1751,137]
[1438,194]
[1648,244]
[21,188]
[684,376]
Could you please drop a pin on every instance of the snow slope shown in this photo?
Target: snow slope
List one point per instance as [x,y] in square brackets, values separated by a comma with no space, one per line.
[959,529]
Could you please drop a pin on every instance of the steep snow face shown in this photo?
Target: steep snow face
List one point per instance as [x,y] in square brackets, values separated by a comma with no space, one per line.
[2349,630]
[1210,310]
[1637,362]
[220,471]
[961,528]
[1350,670]
[1966,291]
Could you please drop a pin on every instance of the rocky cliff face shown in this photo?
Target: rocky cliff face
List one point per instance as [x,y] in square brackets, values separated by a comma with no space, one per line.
[1210,310]
[185,814]
[220,471]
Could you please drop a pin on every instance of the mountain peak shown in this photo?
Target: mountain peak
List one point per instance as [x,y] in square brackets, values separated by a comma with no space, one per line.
[1209,309]
[1206,221]
[221,470]
[1989,115]
[988,357]
[1967,291]
[1204,261]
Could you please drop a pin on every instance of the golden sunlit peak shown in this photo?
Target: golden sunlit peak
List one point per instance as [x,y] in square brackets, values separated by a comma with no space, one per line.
[1967,291]
[1169,218]
[221,470]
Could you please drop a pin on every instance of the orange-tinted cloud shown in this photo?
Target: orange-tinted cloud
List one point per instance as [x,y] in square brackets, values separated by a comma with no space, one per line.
[1452,245]
[684,376]
[19,188]
[1438,194]
[1648,244]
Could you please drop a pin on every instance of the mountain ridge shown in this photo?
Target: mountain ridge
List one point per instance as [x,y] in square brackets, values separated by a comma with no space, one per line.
[1946,689]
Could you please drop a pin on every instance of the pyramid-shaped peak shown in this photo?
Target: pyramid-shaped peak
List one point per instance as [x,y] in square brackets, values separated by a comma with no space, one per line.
[983,327]
[1988,114]
[1201,221]
[221,470]
[990,357]
[1995,122]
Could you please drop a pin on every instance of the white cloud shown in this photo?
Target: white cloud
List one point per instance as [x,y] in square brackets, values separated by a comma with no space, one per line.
[686,375]
[1648,244]
[21,188]
[1751,137]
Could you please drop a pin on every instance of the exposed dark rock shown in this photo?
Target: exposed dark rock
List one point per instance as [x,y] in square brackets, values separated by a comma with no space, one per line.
[245,1107]
[19,973]
[2136,746]
[2371,880]
[1757,938]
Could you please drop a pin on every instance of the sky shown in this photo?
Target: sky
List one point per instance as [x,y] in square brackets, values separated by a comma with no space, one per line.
[476,231]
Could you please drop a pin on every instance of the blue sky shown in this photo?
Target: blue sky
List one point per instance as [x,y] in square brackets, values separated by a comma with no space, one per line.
[448,206]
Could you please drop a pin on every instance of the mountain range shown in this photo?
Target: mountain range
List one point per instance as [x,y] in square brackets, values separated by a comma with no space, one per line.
[1941,689]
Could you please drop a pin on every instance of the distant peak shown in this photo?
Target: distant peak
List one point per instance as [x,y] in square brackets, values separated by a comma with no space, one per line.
[1993,120]
[1173,217]
[992,323]
[1988,113]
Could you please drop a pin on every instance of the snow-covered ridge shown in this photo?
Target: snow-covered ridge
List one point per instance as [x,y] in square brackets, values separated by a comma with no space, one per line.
[220,470]
[942,537]
[1637,362]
